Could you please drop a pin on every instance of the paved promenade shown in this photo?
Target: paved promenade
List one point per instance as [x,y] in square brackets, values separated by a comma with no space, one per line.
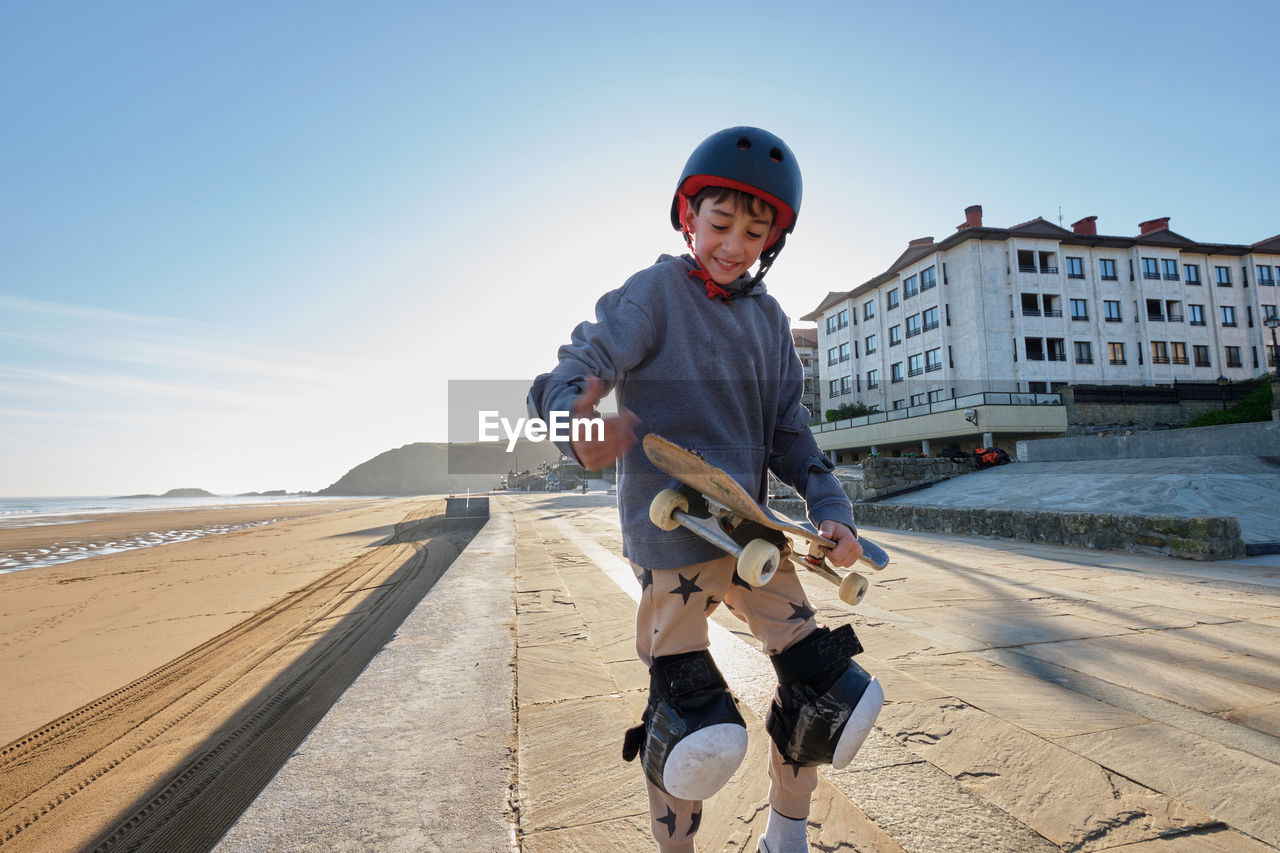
[1039,699]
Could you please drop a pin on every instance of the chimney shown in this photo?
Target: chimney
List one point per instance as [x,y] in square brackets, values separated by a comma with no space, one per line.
[920,241]
[972,217]
[1153,225]
[1088,225]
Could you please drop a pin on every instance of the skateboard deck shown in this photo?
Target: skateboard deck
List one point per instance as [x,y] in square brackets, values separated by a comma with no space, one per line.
[730,507]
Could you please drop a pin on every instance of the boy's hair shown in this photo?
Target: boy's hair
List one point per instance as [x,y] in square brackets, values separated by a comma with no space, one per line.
[755,205]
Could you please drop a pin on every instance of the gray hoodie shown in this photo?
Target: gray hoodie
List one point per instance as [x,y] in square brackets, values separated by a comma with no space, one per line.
[721,378]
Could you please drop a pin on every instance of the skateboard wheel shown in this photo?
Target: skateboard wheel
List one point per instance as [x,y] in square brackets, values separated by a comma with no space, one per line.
[758,561]
[853,588]
[662,509]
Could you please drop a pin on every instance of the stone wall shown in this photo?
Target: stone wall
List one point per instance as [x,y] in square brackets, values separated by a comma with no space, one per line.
[1252,439]
[874,479]
[1200,538]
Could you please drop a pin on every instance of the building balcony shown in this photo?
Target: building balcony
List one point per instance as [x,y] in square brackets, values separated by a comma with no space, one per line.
[1030,312]
[1156,318]
[915,371]
[1151,276]
[1180,359]
[1052,313]
[929,327]
[1057,356]
[1159,359]
[1196,323]
[1175,318]
[1117,361]
[1172,276]
[1035,356]
[930,368]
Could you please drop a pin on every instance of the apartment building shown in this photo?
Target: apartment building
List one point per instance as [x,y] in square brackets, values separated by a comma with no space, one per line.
[806,343]
[1025,310]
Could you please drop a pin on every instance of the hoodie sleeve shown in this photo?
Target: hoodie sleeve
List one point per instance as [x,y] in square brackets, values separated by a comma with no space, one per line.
[795,457]
[620,338]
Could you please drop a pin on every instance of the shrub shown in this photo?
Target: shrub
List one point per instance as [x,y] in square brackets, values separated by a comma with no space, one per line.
[1255,407]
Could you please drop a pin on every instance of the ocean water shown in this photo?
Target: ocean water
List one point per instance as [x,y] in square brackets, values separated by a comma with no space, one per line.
[28,512]
[40,512]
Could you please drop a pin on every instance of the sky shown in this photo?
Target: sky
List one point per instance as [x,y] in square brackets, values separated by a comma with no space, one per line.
[248,245]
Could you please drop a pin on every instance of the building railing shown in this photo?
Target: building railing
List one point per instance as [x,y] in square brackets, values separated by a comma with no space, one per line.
[1175,318]
[969,401]
[1052,312]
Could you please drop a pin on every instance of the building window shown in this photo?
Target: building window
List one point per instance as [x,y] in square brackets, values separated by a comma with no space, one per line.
[909,287]
[1048,263]
[1233,357]
[1115,352]
[844,352]
[1228,314]
[917,399]
[1111,310]
[935,396]
[1155,310]
[873,379]
[1075,267]
[899,404]
[933,360]
[1179,350]
[1195,314]
[1107,267]
[1224,276]
[1034,348]
[871,344]
[1079,309]
[891,300]
[1170,269]
[895,372]
[833,356]
[1084,352]
[838,321]
[1264,276]
[1159,352]
[928,279]
[1201,354]
[1026,261]
[1268,311]
[915,364]
[913,325]
[895,335]
[1037,388]
[1173,310]
[846,384]
[1057,349]
[1191,272]
[931,318]
[834,390]
[1150,268]
[869,309]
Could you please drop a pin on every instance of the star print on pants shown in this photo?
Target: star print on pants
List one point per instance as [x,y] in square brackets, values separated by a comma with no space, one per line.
[669,821]
[802,612]
[794,765]
[688,586]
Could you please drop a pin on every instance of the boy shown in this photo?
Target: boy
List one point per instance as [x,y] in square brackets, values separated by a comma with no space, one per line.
[698,352]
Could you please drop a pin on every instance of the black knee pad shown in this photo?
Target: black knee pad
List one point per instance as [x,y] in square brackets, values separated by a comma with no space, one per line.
[693,738]
[826,703]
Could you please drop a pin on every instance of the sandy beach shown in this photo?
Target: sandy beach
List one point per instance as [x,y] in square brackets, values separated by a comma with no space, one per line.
[132,660]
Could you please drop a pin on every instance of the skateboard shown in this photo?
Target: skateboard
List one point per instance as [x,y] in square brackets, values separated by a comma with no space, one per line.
[730,507]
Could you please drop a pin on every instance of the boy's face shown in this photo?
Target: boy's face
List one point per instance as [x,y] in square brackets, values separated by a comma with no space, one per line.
[727,237]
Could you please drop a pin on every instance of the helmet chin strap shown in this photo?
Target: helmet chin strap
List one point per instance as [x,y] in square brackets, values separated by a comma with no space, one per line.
[714,290]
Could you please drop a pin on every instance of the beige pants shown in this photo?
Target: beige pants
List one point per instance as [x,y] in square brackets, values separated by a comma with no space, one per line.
[672,619]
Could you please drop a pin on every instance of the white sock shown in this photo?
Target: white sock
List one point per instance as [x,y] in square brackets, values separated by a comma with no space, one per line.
[785,835]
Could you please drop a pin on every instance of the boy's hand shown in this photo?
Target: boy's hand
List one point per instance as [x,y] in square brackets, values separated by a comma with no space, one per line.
[847,550]
[619,430]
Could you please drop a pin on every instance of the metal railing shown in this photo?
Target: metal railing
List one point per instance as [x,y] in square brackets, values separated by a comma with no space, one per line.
[969,401]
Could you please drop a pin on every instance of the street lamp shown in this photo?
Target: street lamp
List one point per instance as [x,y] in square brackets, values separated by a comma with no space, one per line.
[1271,323]
[1223,382]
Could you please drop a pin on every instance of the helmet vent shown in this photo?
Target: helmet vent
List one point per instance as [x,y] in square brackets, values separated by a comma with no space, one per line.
[775,154]
[744,143]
